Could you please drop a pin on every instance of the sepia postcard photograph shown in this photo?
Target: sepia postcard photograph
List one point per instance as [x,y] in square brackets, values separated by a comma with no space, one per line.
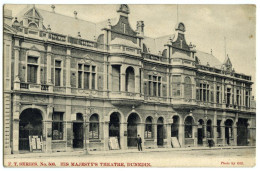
[129,85]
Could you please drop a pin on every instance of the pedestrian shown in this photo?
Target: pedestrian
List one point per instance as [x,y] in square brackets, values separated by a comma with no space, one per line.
[139,143]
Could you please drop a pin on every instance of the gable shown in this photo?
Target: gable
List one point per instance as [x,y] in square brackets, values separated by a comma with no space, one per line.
[123,30]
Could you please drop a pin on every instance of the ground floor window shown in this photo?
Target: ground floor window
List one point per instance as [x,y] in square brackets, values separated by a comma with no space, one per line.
[148,128]
[57,126]
[94,127]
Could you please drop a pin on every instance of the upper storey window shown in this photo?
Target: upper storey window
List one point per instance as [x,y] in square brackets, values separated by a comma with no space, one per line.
[124,27]
[176,85]
[32,69]
[187,88]
[86,76]
[58,70]
[130,79]
[154,88]
[203,92]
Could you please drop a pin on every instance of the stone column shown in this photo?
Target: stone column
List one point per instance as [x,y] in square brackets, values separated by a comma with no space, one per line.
[234,127]
[181,133]
[68,127]
[223,132]
[105,75]
[16,60]
[106,132]
[122,78]
[137,80]
[205,134]
[223,96]
[16,113]
[168,133]
[123,136]
[215,124]
[195,134]
[142,81]
[49,58]
[155,132]
[68,85]
[110,77]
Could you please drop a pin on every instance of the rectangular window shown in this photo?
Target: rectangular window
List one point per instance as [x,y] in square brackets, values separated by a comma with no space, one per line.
[32,73]
[218,95]
[116,78]
[57,73]
[247,98]
[86,80]
[148,131]
[57,126]
[32,69]
[93,130]
[79,75]
[238,98]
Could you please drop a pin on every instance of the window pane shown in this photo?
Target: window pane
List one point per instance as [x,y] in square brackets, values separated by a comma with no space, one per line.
[86,68]
[86,80]
[57,63]
[80,79]
[57,76]
[93,81]
[33,60]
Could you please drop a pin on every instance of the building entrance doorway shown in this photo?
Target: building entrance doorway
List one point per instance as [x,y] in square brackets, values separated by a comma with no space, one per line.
[114,126]
[30,124]
[132,126]
[78,135]
[200,132]
[228,131]
[160,132]
[175,127]
[242,132]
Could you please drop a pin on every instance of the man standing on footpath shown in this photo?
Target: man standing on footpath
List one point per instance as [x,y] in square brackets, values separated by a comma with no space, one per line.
[139,143]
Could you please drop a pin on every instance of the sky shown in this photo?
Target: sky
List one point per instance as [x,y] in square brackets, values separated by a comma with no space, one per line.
[206,26]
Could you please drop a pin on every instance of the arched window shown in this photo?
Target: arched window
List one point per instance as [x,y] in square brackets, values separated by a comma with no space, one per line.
[94,126]
[187,88]
[130,79]
[148,128]
[188,127]
[33,26]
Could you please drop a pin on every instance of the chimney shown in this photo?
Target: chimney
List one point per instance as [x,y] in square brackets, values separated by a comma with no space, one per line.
[140,27]
[75,14]
[53,8]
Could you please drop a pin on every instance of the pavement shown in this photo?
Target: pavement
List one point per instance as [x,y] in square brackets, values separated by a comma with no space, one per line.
[83,153]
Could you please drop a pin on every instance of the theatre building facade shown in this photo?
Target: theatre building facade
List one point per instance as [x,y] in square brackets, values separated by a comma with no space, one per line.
[71,84]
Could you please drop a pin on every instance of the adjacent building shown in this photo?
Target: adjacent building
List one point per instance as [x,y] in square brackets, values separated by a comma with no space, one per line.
[72,84]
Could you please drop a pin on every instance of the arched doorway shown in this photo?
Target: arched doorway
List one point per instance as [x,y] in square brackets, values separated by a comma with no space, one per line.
[242,132]
[175,127]
[130,79]
[114,126]
[160,132]
[228,130]
[200,132]
[209,129]
[78,135]
[132,126]
[30,124]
